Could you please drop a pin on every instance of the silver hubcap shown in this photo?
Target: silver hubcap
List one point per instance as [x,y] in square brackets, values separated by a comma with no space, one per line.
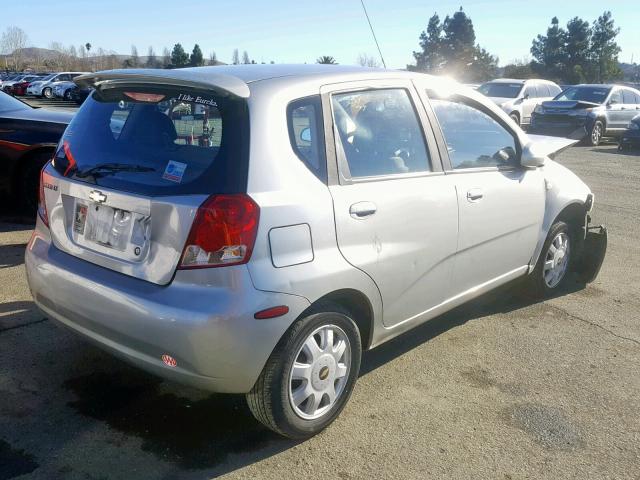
[556,260]
[320,372]
[597,131]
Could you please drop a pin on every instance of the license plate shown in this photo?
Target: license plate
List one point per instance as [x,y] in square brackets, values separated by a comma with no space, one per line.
[107,226]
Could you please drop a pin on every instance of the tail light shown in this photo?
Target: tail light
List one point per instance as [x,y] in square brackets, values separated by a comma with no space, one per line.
[223,232]
[42,205]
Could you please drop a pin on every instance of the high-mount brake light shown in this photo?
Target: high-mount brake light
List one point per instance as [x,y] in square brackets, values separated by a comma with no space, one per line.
[223,232]
[145,97]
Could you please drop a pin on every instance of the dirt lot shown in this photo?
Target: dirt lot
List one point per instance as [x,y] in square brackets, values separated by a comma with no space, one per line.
[500,388]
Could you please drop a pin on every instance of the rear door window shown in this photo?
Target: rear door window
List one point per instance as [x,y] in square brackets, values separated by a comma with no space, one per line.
[158,142]
[628,97]
[379,133]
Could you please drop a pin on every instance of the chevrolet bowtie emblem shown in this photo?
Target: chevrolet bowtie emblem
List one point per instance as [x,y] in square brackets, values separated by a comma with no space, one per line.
[97,196]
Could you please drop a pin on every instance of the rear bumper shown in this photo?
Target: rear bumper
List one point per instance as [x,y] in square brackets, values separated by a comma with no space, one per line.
[630,138]
[203,319]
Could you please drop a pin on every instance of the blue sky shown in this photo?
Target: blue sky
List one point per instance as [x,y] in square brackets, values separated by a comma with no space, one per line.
[289,31]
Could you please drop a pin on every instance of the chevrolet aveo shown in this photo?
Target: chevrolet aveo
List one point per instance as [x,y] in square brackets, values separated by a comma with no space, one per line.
[253,229]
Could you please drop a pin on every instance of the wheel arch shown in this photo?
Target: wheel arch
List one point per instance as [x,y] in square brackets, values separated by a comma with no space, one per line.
[572,213]
[356,303]
[22,162]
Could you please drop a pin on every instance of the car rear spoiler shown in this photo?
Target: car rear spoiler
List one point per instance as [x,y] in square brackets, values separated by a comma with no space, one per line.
[202,78]
[550,146]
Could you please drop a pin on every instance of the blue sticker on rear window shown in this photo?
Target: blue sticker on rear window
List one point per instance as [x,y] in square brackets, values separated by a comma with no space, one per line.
[174,171]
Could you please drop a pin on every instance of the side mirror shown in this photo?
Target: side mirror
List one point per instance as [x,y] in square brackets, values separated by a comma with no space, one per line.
[305,134]
[530,157]
[526,96]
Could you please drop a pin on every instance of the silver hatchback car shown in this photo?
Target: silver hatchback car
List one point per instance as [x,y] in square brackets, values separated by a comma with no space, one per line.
[253,229]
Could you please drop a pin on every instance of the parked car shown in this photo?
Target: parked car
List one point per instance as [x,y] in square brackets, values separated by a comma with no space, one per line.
[62,90]
[588,112]
[518,98]
[20,88]
[631,136]
[10,78]
[28,137]
[79,95]
[301,217]
[7,86]
[44,88]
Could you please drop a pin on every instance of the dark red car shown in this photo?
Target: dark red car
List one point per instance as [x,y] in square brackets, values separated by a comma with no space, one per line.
[20,88]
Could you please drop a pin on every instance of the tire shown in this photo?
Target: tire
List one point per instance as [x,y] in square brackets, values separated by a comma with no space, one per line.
[47,93]
[596,134]
[546,279]
[67,95]
[515,117]
[272,400]
[29,181]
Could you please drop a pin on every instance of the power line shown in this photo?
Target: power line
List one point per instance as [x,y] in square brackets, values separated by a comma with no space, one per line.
[373,33]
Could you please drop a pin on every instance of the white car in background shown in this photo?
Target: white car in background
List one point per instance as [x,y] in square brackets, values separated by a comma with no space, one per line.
[518,98]
[63,90]
[44,87]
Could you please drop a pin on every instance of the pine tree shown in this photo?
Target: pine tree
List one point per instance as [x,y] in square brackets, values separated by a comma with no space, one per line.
[196,60]
[604,49]
[179,58]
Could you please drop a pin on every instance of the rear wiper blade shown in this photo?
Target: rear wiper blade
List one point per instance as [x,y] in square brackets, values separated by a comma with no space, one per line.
[108,168]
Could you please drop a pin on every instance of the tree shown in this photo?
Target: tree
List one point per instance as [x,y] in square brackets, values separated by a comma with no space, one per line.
[604,49]
[519,69]
[213,58]
[196,59]
[13,42]
[179,58]
[166,58]
[576,51]
[365,60]
[430,58]
[135,59]
[245,58]
[326,60]
[236,57]
[152,60]
[548,51]
[450,48]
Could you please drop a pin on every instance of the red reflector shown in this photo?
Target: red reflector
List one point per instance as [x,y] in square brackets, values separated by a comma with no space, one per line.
[145,97]
[42,205]
[271,312]
[169,360]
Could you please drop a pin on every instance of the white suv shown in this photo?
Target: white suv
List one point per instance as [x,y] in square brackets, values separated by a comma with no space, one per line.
[518,98]
[44,87]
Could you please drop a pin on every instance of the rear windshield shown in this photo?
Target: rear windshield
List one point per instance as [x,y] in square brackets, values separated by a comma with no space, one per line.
[500,89]
[156,141]
[585,94]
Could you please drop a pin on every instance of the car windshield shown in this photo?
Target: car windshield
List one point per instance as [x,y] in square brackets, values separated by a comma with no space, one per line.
[8,103]
[500,89]
[164,141]
[585,94]
[48,77]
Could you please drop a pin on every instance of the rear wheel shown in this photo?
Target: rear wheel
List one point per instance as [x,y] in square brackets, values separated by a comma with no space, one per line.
[309,377]
[515,117]
[67,95]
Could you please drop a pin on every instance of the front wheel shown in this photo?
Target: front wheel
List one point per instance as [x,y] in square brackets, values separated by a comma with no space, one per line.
[47,93]
[515,117]
[597,131]
[309,377]
[550,274]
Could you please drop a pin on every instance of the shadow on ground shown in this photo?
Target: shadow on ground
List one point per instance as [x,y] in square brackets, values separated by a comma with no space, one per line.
[215,433]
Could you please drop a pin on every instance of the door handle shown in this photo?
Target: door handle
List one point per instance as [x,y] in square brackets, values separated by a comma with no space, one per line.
[474,194]
[362,210]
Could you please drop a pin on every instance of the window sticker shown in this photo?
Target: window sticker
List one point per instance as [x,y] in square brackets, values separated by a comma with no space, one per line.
[185,97]
[174,171]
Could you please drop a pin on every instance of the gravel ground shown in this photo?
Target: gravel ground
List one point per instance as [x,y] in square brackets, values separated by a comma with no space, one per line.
[501,388]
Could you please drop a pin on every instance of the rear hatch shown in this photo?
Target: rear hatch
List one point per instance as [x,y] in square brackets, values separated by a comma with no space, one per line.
[134,165]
